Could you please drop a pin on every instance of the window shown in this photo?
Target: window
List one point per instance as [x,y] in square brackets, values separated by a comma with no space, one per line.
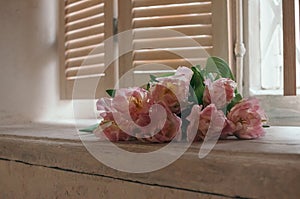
[211,23]
[266,46]
[89,22]
[265,59]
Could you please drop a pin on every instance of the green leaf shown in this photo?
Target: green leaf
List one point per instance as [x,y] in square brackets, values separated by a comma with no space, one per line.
[148,87]
[197,78]
[197,84]
[111,92]
[220,67]
[89,129]
[153,78]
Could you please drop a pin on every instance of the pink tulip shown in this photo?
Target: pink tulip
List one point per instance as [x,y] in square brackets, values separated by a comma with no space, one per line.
[173,91]
[171,129]
[219,92]
[108,129]
[127,116]
[245,120]
[128,105]
[134,104]
[163,95]
[202,121]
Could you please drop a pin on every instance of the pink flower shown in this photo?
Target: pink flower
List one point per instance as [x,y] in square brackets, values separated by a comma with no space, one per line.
[129,106]
[108,129]
[104,105]
[171,129]
[173,91]
[127,116]
[209,119]
[219,92]
[161,94]
[134,104]
[185,72]
[245,120]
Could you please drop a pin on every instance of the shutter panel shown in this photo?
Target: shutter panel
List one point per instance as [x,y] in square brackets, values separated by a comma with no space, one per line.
[289,50]
[193,18]
[87,24]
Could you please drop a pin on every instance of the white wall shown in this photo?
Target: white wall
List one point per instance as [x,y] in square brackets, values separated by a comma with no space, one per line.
[29,61]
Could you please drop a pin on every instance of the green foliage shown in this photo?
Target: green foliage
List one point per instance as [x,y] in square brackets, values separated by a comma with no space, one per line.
[153,78]
[197,84]
[215,68]
[89,129]
[111,92]
[218,66]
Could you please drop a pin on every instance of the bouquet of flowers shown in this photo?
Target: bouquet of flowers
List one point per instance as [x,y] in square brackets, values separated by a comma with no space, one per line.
[184,105]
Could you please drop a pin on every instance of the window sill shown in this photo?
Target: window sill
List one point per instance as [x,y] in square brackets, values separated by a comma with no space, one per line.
[264,168]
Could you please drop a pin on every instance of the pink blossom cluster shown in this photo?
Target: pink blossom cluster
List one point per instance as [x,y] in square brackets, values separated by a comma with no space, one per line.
[133,108]
[136,113]
[244,120]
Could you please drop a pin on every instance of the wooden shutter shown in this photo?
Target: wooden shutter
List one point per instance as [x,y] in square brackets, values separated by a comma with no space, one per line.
[289,50]
[147,18]
[87,24]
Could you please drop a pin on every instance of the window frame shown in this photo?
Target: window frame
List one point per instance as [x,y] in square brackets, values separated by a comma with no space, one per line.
[281,110]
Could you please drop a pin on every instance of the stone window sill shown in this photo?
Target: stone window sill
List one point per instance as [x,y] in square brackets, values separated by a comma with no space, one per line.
[264,168]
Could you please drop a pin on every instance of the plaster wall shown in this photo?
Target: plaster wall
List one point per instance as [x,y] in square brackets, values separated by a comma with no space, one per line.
[29,62]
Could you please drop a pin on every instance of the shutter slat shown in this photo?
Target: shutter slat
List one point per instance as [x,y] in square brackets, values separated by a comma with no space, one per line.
[172,20]
[156,54]
[93,40]
[173,63]
[84,51]
[175,10]
[203,40]
[98,37]
[68,2]
[85,32]
[76,72]
[86,22]
[80,5]
[144,3]
[88,60]
[190,30]
[99,8]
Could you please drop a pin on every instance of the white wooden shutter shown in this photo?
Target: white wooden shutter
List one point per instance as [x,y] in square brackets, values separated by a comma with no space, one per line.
[193,18]
[87,24]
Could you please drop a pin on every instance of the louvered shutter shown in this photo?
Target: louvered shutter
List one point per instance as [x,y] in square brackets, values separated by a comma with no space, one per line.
[193,18]
[87,24]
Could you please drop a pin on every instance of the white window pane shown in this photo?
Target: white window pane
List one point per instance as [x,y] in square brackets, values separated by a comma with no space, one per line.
[271,44]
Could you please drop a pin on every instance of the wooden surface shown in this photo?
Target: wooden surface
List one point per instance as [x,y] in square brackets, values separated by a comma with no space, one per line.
[264,168]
